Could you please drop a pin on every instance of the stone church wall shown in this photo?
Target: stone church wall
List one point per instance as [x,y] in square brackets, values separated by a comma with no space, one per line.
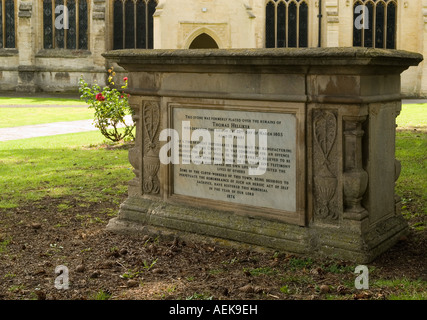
[29,67]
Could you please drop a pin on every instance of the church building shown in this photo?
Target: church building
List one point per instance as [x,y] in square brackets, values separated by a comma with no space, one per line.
[46,45]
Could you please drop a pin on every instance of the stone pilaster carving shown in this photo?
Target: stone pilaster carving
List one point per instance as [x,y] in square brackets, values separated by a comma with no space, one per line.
[135,154]
[98,10]
[325,164]
[27,71]
[151,161]
[332,23]
[332,12]
[355,178]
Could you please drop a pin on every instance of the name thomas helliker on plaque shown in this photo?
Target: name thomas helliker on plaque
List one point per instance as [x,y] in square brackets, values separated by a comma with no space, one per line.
[242,157]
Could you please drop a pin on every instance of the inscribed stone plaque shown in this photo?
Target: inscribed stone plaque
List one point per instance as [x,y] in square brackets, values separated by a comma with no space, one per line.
[275,188]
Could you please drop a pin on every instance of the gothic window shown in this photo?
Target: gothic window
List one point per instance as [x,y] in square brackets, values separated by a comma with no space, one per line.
[286,24]
[7,23]
[65,24]
[203,41]
[375,23]
[133,24]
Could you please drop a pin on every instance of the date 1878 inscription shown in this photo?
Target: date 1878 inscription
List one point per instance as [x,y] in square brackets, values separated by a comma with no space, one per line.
[276,188]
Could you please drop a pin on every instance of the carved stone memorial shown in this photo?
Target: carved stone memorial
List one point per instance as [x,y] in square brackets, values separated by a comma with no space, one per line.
[290,149]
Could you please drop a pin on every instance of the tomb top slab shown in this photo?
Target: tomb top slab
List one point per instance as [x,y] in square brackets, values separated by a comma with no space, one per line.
[343,56]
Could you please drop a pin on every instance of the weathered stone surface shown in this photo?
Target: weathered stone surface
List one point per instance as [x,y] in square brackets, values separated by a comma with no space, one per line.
[25,9]
[344,102]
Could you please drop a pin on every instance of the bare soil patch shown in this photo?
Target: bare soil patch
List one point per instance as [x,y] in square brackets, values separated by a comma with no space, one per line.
[38,236]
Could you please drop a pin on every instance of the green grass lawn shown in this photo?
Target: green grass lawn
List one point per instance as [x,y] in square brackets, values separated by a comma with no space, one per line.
[15,117]
[413,116]
[63,165]
[411,150]
[6,101]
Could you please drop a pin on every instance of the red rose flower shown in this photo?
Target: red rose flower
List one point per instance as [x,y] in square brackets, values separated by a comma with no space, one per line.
[100,97]
[125,79]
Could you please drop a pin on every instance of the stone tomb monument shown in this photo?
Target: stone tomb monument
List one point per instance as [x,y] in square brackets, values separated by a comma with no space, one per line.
[326,186]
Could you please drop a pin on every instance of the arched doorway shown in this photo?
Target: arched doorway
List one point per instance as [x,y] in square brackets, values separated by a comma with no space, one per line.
[204,41]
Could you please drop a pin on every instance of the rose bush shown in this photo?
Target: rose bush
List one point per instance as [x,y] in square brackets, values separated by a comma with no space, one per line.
[111,107]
